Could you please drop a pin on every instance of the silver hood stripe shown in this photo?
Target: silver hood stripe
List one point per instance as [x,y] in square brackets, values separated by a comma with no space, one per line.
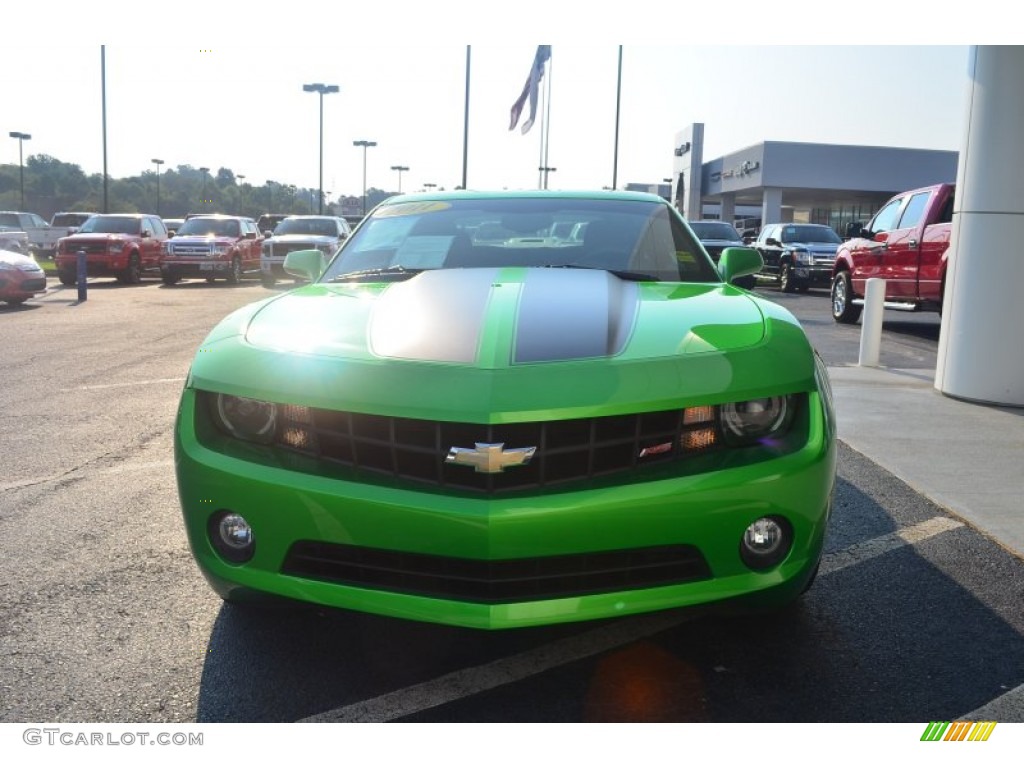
[561,314]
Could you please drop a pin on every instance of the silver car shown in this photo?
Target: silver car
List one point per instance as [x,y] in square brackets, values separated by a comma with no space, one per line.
[300,233]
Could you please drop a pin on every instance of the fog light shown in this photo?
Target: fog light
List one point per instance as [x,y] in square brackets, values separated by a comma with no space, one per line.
[766,542]
[232,536]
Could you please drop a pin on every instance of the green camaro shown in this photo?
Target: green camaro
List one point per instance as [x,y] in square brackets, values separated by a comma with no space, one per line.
[509,409]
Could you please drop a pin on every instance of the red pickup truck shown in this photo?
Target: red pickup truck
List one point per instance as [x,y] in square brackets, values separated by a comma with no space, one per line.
[906,243]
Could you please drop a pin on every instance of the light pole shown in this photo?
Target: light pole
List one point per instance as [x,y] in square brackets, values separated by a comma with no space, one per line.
[21,137]
[546,170]
[157,162]
[429,185]
[321,89]
[399,168]
[364,144]
[204,171]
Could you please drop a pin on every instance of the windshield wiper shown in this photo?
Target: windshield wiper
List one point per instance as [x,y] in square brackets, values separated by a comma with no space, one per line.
[397,272]
[622,274]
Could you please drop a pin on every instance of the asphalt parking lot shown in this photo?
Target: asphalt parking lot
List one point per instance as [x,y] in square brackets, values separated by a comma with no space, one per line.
[104,618]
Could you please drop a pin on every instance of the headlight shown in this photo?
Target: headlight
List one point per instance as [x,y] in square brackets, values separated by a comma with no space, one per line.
[803,258]
[752,420]
[114,246]
[246,419]
[4,266]
[220,250]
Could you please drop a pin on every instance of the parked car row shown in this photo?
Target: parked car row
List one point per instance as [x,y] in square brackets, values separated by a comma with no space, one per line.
[129,246]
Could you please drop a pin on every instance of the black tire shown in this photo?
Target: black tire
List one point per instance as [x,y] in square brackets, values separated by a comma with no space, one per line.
[786,280]
[803,287]
[169,278]
[133,274]
[843,308]
[235,275]
[67,278]
[15,302]
[269,281]
[210,279]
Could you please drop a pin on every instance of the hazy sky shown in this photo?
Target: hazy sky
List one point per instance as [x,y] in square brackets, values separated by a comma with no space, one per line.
[196,95]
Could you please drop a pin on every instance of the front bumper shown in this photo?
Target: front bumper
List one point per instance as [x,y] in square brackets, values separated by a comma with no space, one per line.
[21,285]
[706,512]
[195,267]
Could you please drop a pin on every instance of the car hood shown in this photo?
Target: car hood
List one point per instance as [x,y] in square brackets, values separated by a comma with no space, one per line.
[96,237]
[318,239]
[830,248]
[193,239]
[496,344]
[17,260]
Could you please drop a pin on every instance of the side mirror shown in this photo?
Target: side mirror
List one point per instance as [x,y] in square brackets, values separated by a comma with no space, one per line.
[880,237]
[146,233]
[737,262]
[854,229]
[267,233]
[773,241]
[308,265]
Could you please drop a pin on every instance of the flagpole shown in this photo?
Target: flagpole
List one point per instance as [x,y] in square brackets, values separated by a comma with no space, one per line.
[547,121]
[540,155]
[465,126]
[618,105]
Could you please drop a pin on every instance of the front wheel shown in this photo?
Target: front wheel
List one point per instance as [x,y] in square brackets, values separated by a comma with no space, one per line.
[843,308]
[269,281]
[235,276]
[133,274]
[786,282]
[67,277]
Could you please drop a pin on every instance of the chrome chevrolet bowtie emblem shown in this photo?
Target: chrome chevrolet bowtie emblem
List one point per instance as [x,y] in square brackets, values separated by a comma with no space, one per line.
[490,457]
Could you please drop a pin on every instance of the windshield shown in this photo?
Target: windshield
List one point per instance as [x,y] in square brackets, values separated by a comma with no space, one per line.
[634,238]
[69,219]
[210,227]
[809,233]
[326,227]
[112,225]
[715,230]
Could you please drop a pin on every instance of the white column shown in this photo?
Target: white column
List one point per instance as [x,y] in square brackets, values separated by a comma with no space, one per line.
[981,356]
[728,212]
[771,206]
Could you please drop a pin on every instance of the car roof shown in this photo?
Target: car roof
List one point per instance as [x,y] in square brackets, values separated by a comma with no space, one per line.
[468,194]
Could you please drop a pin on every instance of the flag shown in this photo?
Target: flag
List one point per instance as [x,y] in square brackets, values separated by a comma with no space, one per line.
[531,88]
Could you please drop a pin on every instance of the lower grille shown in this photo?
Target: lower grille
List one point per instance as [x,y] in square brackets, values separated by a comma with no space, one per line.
[35,284]
[496,581]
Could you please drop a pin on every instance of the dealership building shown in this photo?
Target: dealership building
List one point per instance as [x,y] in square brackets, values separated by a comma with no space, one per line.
[775,181]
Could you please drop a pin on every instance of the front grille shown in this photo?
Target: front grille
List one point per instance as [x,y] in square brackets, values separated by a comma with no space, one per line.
[566,451]
[283,249]
[187,251]
[496,581]
[87,247]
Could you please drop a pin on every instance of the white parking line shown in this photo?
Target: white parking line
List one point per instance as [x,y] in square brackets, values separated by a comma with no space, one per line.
[118,469]
[177,379]
[1008,708]
[473,680]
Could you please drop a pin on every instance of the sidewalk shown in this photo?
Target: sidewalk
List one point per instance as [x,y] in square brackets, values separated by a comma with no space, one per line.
[963,456]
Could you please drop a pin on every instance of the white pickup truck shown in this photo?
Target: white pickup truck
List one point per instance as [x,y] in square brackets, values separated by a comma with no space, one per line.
[42,238]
